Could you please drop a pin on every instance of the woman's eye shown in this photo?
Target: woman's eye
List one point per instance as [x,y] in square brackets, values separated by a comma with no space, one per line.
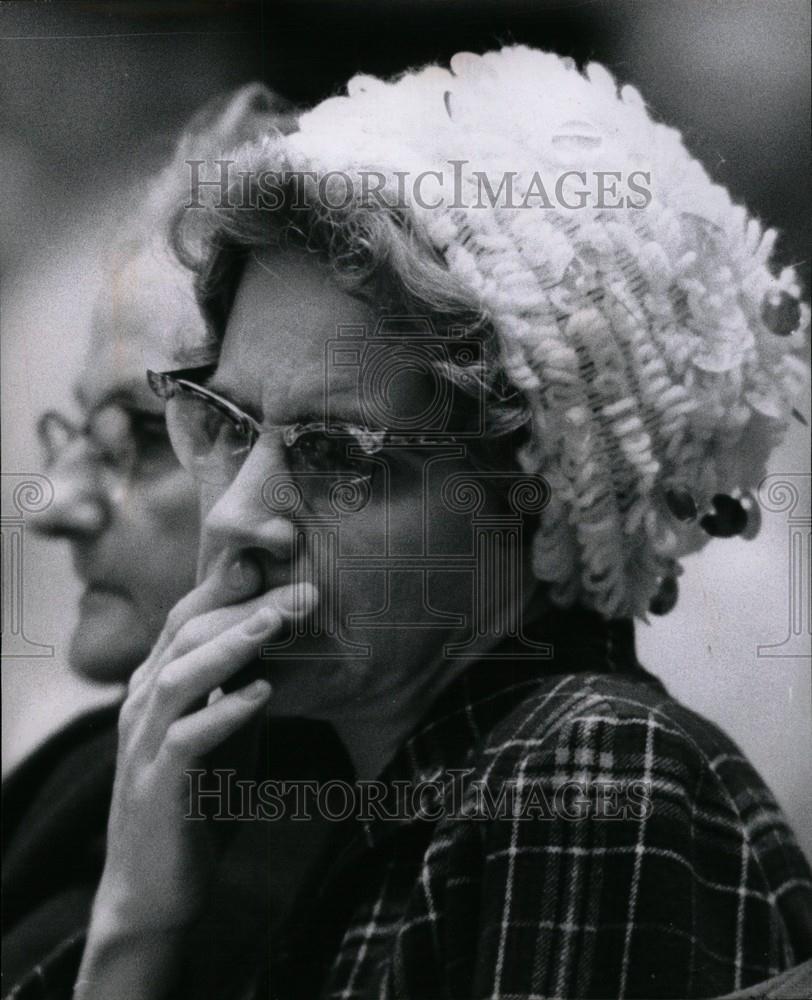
[149,437]
[149,440]
[319,452]
[148,426]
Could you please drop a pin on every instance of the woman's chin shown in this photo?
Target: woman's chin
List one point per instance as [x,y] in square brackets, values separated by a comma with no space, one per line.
[106,647]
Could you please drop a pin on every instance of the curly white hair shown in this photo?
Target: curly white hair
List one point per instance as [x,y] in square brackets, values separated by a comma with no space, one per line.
[654,348]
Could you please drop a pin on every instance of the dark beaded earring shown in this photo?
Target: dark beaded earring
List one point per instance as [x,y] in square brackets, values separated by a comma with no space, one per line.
[728,518]
[753,511]
[681,504]
[666,596]
[781,315]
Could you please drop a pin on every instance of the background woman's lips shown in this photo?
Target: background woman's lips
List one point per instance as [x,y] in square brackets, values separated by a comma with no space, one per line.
[99,593]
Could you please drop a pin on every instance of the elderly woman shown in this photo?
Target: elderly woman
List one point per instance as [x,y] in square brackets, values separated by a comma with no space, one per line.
[453,438]
[130,514]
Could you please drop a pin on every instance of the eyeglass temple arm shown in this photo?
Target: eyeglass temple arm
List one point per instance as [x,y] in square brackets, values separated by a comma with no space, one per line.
[160,382]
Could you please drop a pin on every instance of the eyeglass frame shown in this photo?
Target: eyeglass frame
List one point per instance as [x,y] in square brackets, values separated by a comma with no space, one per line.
[370,441]
[85,430]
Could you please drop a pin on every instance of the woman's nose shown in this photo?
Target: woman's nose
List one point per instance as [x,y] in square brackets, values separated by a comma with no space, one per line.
[243,516]
[80,508]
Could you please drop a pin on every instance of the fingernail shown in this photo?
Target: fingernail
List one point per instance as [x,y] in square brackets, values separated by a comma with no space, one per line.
[244,574]
[255,691]
[297,598]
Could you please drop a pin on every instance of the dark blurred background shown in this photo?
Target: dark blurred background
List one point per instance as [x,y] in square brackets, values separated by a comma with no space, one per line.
[96,90]
[93,95]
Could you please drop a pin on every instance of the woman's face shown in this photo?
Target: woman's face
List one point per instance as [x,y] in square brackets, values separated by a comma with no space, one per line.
[295,350]
[134,535]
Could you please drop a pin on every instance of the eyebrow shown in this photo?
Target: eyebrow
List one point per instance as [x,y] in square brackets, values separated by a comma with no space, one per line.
[306,413]
[232,395]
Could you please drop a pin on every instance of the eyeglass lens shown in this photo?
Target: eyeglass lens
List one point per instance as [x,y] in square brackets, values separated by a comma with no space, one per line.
[212,446]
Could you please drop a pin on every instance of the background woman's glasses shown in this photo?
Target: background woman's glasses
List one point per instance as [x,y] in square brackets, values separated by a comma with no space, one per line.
[120,438]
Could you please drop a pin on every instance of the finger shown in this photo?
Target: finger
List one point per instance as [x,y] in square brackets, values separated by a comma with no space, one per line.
[198,734]
[196,674]
[183,683]
[231,582]
[203,628]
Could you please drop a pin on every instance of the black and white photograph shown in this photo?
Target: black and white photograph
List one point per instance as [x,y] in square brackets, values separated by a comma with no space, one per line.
[406,500]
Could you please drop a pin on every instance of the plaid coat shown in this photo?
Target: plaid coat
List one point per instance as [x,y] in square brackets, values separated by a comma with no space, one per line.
[578,833]
[687,884]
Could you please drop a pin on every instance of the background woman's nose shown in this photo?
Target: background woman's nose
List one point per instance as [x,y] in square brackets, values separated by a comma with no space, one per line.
[79,508]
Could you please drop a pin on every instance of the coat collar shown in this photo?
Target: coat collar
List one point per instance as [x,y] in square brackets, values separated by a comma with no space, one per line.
[576,640]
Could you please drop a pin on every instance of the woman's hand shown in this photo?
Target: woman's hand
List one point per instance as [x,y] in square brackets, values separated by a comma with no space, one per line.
[158,862]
